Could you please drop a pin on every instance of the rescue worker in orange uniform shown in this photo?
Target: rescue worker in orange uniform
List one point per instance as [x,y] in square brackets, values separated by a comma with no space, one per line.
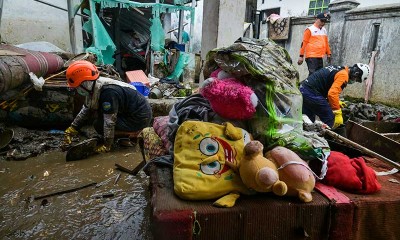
[315,44]
[117,108]
[321,91]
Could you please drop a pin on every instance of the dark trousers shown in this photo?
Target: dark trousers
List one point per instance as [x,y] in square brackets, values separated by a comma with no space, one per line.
[316,105]
[313,64]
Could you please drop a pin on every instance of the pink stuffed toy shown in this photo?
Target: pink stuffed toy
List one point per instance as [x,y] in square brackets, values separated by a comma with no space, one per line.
[228,97]
[294,172]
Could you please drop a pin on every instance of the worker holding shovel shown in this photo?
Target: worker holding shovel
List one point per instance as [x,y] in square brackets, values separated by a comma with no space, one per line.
[321,91]
[119,110]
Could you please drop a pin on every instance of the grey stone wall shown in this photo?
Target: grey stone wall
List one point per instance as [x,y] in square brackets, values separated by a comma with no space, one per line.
[352,33]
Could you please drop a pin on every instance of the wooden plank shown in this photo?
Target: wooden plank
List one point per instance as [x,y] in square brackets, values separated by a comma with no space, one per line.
[373,140]
[4,52]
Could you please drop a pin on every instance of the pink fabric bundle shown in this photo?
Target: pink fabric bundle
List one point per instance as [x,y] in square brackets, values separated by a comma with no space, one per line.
[228,97]
[352,175]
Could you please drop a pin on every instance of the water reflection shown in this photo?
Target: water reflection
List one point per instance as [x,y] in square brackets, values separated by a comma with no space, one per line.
[117,207]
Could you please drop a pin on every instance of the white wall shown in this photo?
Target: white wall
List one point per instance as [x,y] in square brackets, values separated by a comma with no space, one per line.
[288,7]
[28,21]
[230,22]
[223,22]
[297,8]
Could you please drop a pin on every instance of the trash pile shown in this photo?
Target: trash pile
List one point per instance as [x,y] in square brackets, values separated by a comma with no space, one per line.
[246,126]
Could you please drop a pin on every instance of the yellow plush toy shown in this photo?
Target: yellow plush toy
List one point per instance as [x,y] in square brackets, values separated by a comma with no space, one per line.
[294,172]
[257,172]
[202,152]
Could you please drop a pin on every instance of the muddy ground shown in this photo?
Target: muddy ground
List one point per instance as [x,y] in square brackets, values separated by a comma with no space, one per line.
[111,204]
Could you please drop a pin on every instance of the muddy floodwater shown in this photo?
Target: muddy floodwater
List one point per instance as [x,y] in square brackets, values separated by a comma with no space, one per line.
[114,206]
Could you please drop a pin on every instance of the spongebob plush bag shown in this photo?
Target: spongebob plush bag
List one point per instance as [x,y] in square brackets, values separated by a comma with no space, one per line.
[200,152]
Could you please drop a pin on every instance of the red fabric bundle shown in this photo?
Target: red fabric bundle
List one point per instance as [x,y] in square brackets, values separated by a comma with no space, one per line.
[351,175]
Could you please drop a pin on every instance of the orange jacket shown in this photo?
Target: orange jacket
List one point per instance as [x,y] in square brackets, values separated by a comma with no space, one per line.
[315,43]
[340,81]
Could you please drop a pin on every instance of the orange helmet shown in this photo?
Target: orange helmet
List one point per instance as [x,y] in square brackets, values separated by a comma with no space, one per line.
[80,71]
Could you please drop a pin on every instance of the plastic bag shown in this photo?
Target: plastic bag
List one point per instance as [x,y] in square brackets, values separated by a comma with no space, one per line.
[267,69]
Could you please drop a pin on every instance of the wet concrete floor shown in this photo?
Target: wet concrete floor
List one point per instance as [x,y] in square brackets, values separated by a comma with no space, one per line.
[116,206]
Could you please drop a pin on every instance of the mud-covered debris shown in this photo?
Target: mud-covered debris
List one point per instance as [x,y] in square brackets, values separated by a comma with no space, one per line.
[27,143]
[370,112]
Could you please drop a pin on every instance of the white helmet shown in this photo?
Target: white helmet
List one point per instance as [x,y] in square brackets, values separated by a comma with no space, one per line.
[365,70]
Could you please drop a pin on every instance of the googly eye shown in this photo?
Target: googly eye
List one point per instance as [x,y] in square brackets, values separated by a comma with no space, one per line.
[209,146]
[211,168]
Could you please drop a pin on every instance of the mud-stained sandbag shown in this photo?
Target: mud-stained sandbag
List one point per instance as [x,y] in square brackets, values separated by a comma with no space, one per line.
[14,68]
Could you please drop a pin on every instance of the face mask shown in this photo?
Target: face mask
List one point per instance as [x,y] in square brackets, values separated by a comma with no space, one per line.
[82,91]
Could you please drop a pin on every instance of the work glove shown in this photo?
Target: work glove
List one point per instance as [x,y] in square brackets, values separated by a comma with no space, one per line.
[342,104]
[338,118]
[105,147]
[69,133]
[102,149]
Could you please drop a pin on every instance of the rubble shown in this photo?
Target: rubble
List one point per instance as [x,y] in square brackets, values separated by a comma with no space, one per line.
[371,112]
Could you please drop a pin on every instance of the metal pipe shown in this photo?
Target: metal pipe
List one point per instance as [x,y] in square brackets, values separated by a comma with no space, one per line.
[54,6]
[180,30]
[71,21]
[192,27]
[1,13]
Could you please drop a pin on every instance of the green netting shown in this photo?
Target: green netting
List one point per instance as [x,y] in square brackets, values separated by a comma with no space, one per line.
[180,65]
[157,34]
[102,44]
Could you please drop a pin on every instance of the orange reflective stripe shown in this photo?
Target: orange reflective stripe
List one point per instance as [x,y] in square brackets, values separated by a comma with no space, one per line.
[341,78]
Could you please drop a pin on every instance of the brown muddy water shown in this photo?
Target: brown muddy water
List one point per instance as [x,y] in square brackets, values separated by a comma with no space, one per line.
[116,207]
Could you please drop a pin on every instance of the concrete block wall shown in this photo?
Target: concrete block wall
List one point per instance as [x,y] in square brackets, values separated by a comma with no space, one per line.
[352,33]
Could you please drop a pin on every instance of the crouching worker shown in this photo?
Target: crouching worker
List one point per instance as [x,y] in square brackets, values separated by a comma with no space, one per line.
[321,91]
[118,109]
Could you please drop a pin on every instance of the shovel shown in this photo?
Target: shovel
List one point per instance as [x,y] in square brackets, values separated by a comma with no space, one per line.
[82,150]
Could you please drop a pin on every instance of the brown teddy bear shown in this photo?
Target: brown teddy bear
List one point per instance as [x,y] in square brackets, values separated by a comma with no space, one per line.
[294,172]
[258,172]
